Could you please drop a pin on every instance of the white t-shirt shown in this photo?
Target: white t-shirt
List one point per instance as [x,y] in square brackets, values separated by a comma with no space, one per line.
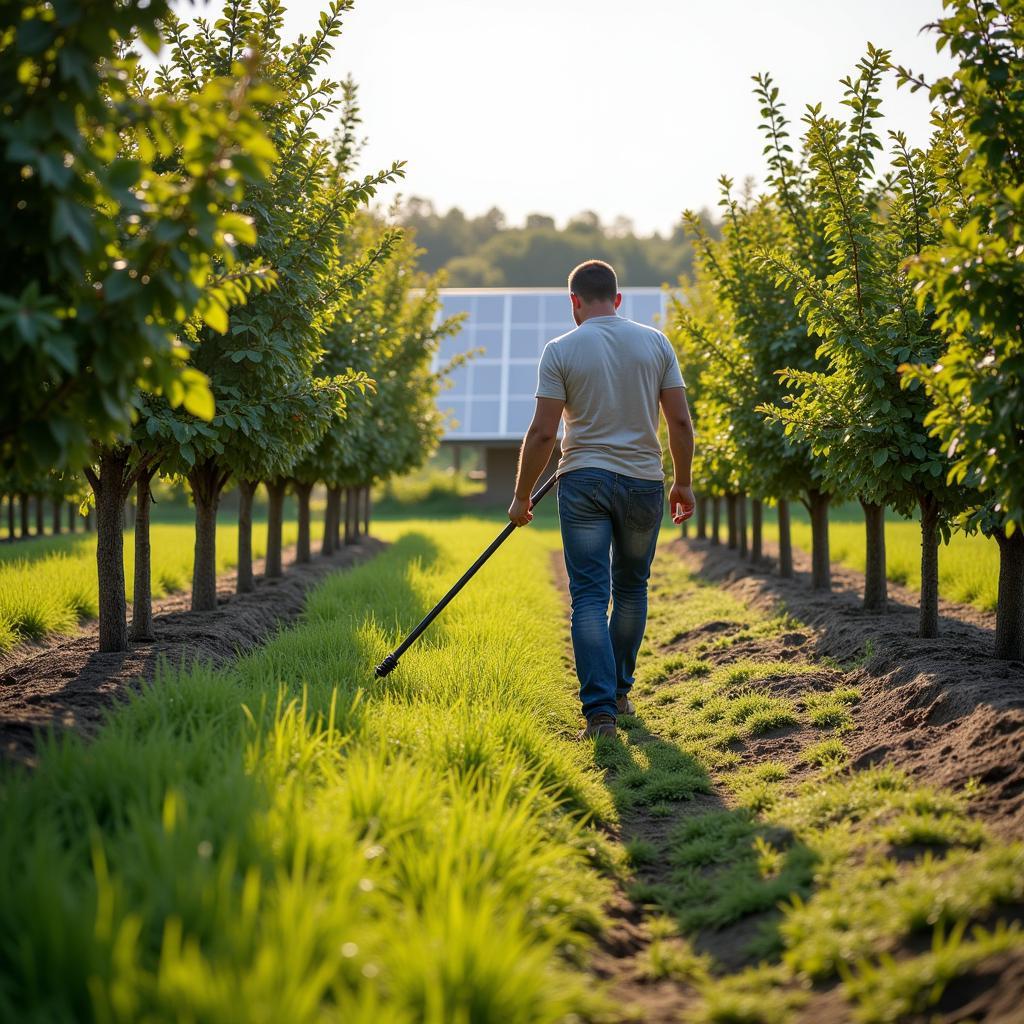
[610,373]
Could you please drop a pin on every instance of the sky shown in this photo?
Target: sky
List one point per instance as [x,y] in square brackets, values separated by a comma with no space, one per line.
[625,107]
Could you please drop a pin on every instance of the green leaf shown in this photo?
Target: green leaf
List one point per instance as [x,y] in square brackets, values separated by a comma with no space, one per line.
[198,395]
[214,315]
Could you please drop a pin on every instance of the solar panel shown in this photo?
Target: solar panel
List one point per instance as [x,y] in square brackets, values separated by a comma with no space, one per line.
[491,397]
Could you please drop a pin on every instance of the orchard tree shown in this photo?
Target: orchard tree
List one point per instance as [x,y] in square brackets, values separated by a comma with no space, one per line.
[391,332]
[749,329]
[763,333]
[973,277]
[867,430]
[119,230]
[694,299]
[796,226]
[271,406]
[105,251]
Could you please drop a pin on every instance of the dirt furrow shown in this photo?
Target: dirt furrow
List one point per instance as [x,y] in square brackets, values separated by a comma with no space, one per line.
[66,683]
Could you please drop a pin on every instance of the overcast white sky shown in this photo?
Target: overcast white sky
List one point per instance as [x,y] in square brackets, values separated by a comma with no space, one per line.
[631,107]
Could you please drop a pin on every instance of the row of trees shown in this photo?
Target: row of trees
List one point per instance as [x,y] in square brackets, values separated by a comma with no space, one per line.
[47,504]
[857,335]
[195,287]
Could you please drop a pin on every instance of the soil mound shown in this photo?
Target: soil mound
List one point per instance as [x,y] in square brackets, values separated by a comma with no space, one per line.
[67,684]
[945,710]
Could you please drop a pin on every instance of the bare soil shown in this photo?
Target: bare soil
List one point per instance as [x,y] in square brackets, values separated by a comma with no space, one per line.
[65,683]
[943,710]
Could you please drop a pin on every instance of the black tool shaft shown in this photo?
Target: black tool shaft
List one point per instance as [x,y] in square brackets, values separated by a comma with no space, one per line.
[389,663]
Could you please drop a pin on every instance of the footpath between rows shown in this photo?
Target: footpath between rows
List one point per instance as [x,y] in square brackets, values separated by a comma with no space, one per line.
[819,812]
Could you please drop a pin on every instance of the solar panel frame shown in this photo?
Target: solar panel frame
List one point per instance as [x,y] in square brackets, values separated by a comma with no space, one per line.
[503,321]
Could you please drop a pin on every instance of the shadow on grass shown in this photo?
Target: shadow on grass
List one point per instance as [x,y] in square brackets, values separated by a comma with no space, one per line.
[720,872]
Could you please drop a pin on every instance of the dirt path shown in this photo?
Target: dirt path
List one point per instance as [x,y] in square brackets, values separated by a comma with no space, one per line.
[66,683]
[944,711]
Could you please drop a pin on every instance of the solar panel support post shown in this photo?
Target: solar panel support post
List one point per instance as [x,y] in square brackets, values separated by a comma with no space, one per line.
[389,664]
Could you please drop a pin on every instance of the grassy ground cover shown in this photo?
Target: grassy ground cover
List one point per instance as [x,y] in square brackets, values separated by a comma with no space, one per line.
[49,585]
[289,840]
[968,565]
[798,871]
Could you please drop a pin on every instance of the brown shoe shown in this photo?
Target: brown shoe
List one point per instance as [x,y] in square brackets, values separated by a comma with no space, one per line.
[598,725]
[625,706]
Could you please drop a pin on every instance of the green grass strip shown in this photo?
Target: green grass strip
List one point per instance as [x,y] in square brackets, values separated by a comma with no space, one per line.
[287,840]
[49,585]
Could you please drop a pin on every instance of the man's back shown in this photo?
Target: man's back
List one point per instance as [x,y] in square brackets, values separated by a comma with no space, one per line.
[610,372]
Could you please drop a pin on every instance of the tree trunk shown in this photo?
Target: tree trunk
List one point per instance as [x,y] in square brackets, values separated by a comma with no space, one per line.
[302,492]
[929,620]
[1010,607]
[756,531]
[876,588]
[821,567]
[244,581]
[339,511]
[351,528]
[367,498]
[275,525]
[56,506]
[72,517]
[25,514]
[40,516]
[731,519]
[207,480]
[109,489]
[785,541]
[88,520]
[741,522]
[683,529]
[702,518]
[331,514]
[457,458]
[10,517]
[716,519]
[142,595]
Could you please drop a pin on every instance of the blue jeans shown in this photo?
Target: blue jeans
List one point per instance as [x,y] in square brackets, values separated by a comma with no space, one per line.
[610,526]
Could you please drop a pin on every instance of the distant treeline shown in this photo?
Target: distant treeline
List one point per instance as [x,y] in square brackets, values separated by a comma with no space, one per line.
[485,251]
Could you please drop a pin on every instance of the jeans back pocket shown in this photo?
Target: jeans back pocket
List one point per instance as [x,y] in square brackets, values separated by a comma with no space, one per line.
[645,507]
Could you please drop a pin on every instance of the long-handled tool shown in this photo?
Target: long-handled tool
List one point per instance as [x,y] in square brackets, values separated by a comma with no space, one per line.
[389,663]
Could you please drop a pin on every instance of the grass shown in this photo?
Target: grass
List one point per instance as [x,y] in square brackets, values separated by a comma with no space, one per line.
[832,876]
[887,990]
[968,565]
[288,839]
[49,585]
[430,492]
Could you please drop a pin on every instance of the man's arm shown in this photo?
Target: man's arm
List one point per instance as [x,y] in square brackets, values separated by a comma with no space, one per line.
[681,501]
[534,456]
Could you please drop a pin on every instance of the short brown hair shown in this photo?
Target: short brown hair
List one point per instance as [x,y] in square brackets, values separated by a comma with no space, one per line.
[594,281]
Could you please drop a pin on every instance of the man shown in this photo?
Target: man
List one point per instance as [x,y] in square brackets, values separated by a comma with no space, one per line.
[606,379]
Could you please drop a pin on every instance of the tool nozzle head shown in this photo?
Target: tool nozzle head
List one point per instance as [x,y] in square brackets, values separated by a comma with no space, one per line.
[386,666]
